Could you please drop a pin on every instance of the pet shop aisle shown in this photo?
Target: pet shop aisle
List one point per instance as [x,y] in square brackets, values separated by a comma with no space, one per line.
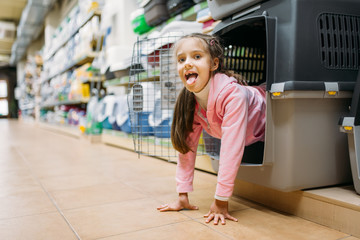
[55,186]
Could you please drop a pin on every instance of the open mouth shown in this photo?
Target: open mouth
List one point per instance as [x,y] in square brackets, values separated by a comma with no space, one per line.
[191,78]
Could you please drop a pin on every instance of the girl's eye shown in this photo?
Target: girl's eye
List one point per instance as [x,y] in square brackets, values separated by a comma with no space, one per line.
[180,60]
[197,56]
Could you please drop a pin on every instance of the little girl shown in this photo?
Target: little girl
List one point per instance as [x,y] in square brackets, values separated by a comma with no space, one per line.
[212,99]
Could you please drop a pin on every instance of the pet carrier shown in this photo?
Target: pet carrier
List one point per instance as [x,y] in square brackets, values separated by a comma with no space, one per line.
[156,12]
[350,124]
[177,6]
[307,52]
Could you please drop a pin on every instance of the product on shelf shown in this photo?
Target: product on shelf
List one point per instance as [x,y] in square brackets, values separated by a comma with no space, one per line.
[120,118]
[138,22]
[156,12]
[177,6]
[204,17]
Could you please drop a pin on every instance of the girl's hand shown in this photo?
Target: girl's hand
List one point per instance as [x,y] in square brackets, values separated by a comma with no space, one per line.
[219,211]
[181,203]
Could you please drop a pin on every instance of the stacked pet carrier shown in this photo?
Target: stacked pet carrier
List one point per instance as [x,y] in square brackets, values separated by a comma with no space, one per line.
[308,53]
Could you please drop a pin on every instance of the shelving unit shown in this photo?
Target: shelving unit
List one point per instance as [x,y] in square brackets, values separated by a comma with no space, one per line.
[70,47]
[143,77]
[69,102]
[86,58]
[54,49]
[61,128]
[6,43]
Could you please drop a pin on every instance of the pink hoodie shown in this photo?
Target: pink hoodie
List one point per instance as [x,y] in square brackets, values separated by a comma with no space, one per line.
[236,114]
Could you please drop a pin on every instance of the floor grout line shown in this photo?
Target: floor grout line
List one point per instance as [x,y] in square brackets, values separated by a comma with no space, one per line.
[26,215]
[143,229]
[344,238]
[215,230]
[48,194]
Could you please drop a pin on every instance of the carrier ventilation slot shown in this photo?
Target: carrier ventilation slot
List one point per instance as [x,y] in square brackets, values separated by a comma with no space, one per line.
[247,61]
[339,41]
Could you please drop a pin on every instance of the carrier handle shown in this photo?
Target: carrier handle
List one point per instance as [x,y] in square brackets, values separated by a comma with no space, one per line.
[355,102]
[353,118]
[351,125]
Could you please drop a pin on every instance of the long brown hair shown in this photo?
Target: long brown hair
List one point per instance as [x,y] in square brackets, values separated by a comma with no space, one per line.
[184,111]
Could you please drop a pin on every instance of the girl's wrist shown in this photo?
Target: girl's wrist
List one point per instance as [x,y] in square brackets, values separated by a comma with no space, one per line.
[183,195]
[220,198]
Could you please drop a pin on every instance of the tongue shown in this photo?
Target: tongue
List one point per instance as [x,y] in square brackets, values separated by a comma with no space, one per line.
[191,80]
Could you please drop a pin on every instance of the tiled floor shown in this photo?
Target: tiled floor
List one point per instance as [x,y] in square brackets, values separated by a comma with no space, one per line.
[54,186]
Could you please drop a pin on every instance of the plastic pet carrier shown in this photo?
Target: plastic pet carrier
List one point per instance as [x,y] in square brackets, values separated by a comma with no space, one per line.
[308,54]
[156,12]
[178,6]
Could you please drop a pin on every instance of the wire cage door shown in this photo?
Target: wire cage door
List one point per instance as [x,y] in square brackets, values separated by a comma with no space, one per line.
[153,90]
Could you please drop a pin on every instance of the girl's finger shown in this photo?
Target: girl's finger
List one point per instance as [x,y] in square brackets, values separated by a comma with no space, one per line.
[222,217]
[231,218]
[211,217]
[216,219]
[207,215]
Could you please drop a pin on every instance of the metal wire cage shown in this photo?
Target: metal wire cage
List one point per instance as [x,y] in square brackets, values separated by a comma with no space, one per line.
[153,90]
[154,87]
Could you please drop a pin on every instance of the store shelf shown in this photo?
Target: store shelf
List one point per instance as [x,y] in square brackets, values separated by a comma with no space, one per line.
[89,57]
[28,106]
[72,34]
[118,139]
[93,79]
[140,77]
[69,102]
[73,131]
[5,45]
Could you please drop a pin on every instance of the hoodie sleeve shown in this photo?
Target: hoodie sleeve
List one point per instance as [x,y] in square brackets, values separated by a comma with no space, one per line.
[186,162]
[232,106]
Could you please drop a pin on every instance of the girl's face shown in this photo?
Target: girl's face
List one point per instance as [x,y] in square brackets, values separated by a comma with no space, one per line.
[194,63]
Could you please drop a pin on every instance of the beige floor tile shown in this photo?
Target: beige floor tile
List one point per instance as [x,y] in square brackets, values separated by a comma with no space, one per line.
[75,181]
[177,231]
[269,225]
[25,203]
[52,170]
[12,182]
[155,186]
[11,161]
[112,219]
[36,227]
[95,195]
